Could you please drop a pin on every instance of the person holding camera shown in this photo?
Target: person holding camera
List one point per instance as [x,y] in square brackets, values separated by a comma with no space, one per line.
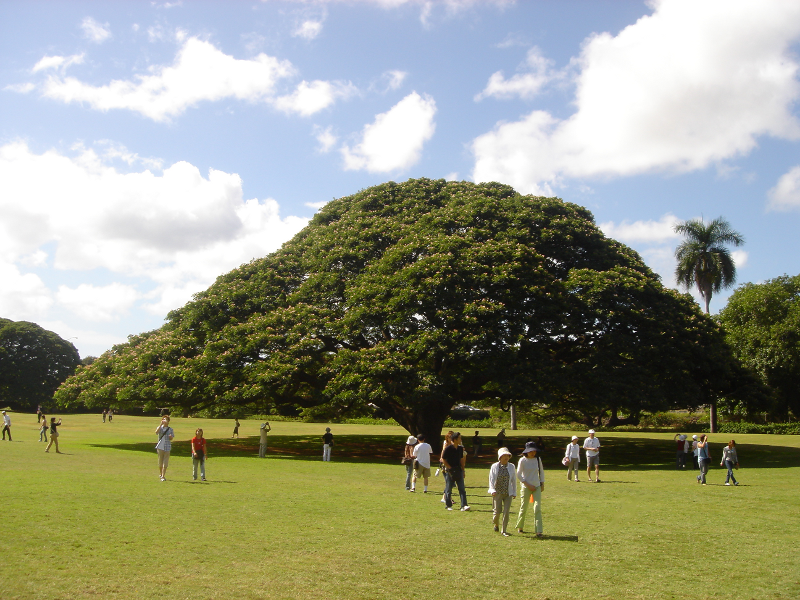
[703,458]
[199,454]
[164,445]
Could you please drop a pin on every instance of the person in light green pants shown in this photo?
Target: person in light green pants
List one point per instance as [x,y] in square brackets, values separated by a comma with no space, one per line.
[531,477]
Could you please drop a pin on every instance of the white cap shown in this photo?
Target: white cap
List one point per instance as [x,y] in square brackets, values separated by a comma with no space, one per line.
[574,437]
[591,431]
[694,437]
[503,451]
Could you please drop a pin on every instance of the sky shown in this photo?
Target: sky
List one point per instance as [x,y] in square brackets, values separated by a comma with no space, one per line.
[148,147]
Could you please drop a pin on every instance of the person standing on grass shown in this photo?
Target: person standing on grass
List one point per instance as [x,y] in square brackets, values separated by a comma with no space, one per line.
[501,438]
[454,458]
[38,414]
[110,415]
[680,455]
[327,444]
[573,455]
[43,429]
[448,440]
[694,452]
[199,454]
[164,446]
[105,413]
[503,488]
[477,442]
[422,464]
[53,434]
[408,459]
[703,458]
[262,447]
[235,428]
[6,426]
[592,446]
[730,460]
[530,473]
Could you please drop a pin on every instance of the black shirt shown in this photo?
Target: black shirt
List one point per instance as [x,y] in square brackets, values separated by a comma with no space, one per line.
[452,454]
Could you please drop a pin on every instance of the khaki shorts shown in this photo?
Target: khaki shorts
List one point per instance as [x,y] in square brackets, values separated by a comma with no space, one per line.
[592,461]
[421,471]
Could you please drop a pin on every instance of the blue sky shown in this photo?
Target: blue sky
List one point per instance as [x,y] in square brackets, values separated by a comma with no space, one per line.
[148,147]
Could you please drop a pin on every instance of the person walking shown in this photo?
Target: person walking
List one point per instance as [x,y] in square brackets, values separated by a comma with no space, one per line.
[695,464]
[703,458]
[408,459]
[592,446]
[43,428]
[164,446]
[530,473]
[573,455]
[235,428]
[477,442]
[422,463]
[262,446]
[53,434]
[454,458]
[503,488]
[448,440]
[110,415]
[199,454]
[6,426]
[105,413]
[730,460]
[327,444]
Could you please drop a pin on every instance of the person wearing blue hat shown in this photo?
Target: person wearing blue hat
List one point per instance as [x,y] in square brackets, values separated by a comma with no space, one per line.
[531,478]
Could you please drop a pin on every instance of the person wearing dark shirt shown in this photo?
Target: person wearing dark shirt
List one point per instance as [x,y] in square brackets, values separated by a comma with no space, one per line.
[454,460]
[327,444]
[477,442]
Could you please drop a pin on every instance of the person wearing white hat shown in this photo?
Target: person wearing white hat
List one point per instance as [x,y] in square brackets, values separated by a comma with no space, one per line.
[573,457]
[422,463]
[680,455]
[592,446]
[408,459]
[694,452]
[503,488]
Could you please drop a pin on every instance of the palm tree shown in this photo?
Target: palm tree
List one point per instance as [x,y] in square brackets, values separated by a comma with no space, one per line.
[703,259]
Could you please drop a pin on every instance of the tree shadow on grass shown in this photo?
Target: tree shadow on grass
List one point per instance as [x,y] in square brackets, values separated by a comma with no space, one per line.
[616,454]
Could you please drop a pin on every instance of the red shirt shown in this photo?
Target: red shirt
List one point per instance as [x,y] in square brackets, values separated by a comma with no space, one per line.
[199,445]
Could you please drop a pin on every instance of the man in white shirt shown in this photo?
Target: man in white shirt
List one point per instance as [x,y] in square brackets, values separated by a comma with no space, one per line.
[6,426]
[422,456]
[262,447]
[592,446]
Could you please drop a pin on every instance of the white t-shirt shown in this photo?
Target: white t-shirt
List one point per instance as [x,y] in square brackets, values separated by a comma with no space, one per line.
[573,451]
[591,445]
[422,452]
[264,432]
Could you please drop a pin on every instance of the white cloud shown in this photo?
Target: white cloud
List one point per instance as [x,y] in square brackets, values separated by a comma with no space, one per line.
[688,86]
[526,85]
[451,176]
[656,232]
[201,72]
[740,258]
[55,62]
[20,88]
[394,141]
[308,29]
[786,193]
[309,98]
[94,31]
[325,137]
[316,205]
[174,232]
[98,303]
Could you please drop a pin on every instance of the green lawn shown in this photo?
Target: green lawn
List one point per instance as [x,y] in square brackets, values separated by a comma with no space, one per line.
[96,522]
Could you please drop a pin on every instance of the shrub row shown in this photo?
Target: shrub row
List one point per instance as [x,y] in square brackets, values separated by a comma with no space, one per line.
[775,428]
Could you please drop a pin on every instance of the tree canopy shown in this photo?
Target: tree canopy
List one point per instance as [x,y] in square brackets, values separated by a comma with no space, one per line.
[33,363]
[762,322]
[703,259]
[418,296]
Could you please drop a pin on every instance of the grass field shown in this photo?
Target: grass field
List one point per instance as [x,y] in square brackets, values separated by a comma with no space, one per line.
[96,522]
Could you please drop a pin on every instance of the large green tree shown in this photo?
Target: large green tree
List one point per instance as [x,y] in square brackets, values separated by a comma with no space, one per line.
[33,363]
[762,322]
[417,296]
[703,258]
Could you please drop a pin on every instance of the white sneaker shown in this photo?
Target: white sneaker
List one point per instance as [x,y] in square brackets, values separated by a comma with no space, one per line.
[465,508]
[727,484]
[442,501]
[449,508]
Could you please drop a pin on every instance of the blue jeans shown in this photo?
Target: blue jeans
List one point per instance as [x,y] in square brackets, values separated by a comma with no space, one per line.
[202,463]
[704,463]
[730,476]
[457,478]
[409,471]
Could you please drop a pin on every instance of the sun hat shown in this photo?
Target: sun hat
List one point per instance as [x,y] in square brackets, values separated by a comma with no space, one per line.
[574,437]
[411,440]
[683,437]
[591,431]
[530,447]
[503,451]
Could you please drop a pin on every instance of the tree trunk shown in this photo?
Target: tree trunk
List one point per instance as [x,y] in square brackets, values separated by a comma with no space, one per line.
[513,412]
[712,416]
[428,419]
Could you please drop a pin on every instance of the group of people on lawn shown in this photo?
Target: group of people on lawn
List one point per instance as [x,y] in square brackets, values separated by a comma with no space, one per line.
[503,475]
